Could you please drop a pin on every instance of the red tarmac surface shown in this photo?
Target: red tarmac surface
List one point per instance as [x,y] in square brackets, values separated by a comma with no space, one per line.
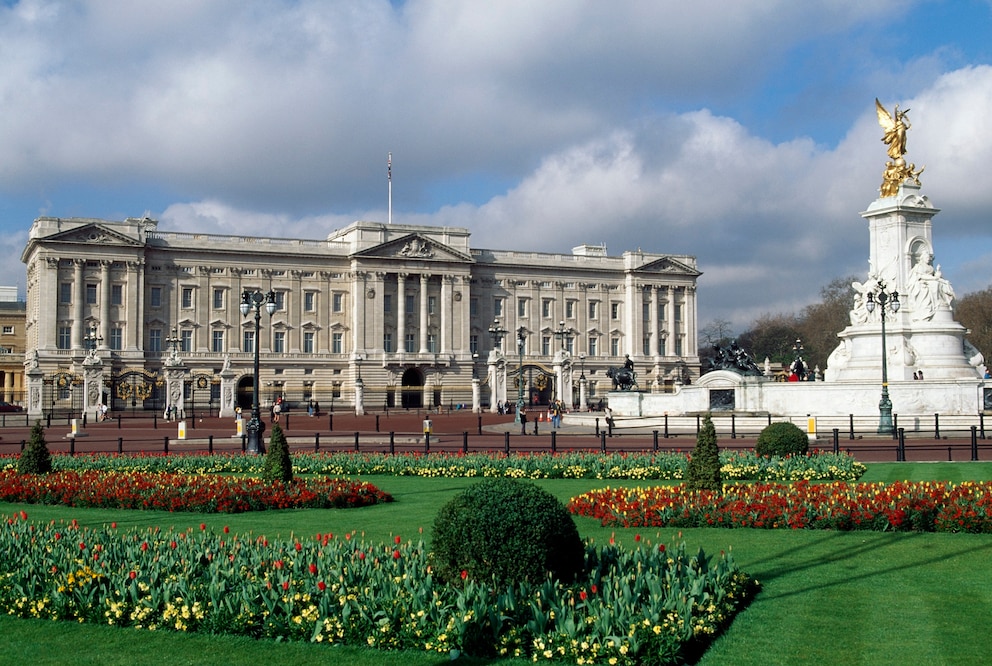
[451,432]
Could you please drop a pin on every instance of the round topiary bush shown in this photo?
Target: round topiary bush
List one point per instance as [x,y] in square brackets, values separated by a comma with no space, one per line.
[782,439]
[506,530]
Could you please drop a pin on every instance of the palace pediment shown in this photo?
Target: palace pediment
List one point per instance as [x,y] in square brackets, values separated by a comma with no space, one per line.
[414,247]
[93,234]
[668,265]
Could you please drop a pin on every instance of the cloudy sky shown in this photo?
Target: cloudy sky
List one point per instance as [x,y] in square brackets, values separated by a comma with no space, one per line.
[743,133]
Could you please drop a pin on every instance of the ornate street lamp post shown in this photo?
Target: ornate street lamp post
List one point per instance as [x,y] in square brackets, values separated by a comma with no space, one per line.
[521,339]
[92,340]
[561,333]
[497,332]
[884,405]
[254,300]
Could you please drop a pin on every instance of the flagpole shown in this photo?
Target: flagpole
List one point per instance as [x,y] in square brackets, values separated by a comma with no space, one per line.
[389,177]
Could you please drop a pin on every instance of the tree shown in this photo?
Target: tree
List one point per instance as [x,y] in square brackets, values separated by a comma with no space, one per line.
[35,458]
[703,472]
[974,312]
[717,332]
[771,337]
[278,466]
[820,323]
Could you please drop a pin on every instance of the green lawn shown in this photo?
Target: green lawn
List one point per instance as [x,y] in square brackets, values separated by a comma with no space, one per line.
[828,598]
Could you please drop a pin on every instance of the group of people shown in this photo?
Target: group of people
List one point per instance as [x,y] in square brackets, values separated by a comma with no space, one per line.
[556,410]
[313,408]
[504,407]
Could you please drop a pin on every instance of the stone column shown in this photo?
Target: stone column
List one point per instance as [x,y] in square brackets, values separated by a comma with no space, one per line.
[79,297]
[227,389]
[653,316]
[175,374]
[134,305]
[583,392]
[105,303]
[497,379]
[632,316]
[424,277]
[689,348]
[563,376]
[92,385]
[670,320]
[35,385]
[357,311]
[401,312]
[443,338]
[359,397]
[476,396]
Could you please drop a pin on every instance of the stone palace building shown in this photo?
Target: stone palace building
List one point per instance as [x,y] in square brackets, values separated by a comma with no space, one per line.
[417,314]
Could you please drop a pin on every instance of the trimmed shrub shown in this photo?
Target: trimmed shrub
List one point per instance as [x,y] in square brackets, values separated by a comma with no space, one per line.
[508,531]
[703,472]
[278,465]
[35,458]
[782,439]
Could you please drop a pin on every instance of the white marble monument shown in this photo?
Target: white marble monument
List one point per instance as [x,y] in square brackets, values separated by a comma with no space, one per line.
[930,365]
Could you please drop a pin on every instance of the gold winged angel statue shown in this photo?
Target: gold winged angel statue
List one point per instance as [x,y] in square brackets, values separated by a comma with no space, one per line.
[896,170]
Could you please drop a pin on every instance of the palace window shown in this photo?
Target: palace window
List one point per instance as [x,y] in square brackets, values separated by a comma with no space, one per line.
[155,339]
[307,342]
[217,341]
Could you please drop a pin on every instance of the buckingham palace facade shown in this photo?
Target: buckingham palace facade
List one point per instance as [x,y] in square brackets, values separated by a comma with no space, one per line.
[413,315]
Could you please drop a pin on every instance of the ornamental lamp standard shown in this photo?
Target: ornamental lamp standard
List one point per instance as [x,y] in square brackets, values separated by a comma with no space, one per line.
[884,405]
[254,300]
[92,340]
[497,332]
[173,341]
[561,333]
[521,340]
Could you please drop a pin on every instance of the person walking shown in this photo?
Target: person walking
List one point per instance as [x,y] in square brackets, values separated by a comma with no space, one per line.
[523,422]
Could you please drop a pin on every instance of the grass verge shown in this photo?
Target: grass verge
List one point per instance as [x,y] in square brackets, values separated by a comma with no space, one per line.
[828,597]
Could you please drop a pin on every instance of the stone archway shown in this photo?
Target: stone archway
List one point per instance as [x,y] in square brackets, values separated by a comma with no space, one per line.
[412,391]
[246,393]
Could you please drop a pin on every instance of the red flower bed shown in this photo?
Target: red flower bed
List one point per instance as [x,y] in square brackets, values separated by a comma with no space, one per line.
[184,492]
[904,506]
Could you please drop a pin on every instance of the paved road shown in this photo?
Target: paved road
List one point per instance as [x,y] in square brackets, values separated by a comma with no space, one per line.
[455,431]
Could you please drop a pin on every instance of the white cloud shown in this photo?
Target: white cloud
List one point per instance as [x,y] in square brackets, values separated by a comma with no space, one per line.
[609,122]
